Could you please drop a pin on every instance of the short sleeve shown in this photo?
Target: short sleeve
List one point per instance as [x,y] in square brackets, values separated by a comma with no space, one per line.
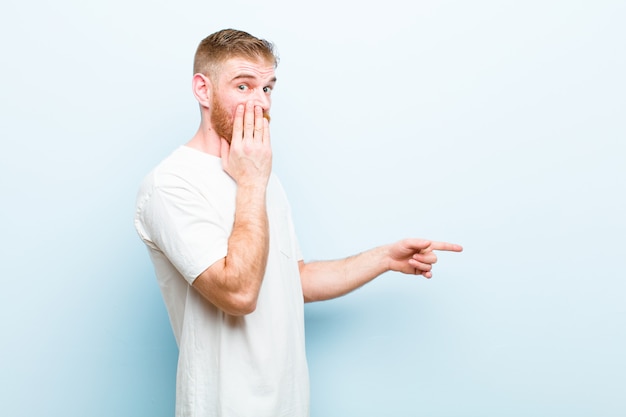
[179,221]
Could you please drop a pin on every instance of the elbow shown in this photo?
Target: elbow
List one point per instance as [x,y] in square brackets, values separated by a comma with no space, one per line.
[309,299]
[241,304]
[242,309]
[227,291]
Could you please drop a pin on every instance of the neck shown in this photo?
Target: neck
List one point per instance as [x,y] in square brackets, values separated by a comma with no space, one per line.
[206,140]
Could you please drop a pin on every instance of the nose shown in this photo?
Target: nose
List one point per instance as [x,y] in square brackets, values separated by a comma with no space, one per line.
[261,98]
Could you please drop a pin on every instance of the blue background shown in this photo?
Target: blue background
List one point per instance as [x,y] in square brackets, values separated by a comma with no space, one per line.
[499,125]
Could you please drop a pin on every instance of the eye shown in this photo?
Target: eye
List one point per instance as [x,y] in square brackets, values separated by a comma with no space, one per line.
[242,87]
[267,90]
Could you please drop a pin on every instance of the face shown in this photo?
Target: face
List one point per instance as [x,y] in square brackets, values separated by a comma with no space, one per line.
[240,81]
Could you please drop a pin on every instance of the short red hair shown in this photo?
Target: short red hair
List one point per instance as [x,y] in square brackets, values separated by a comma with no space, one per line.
[221,46]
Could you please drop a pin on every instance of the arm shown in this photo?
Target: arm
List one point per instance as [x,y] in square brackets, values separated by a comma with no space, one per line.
[324,280]
[233,283]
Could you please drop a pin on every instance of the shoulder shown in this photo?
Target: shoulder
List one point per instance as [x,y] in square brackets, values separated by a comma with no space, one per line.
[186,168]
[183,174]
[186,183]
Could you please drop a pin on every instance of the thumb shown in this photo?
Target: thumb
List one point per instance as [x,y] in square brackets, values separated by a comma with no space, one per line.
[418,244]
[225,154]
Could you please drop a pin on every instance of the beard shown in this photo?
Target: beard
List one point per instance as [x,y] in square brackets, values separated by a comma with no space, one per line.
[222,120]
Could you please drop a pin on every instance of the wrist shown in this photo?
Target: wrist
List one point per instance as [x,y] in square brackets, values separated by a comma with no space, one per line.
[253,186]
[386,259]
[251,198]
[380,259]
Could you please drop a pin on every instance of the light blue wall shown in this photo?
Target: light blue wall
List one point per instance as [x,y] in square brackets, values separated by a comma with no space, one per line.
[497,125]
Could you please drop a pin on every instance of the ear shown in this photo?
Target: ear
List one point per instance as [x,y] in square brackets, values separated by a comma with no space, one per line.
[202,89]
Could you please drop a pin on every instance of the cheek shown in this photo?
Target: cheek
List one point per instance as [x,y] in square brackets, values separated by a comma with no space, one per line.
[227,102]
[231,107]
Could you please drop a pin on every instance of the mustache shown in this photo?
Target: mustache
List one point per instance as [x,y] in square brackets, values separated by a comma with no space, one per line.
[267,116]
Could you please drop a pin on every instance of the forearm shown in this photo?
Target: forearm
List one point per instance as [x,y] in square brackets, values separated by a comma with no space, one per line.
[323,280]
[248,244]
[233,283]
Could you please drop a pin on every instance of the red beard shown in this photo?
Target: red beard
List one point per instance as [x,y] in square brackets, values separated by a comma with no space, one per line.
[222,120]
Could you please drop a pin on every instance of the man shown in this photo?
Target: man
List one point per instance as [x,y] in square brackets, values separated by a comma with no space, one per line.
[218,229]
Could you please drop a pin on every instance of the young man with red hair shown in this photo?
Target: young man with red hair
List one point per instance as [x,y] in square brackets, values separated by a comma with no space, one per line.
[218,228]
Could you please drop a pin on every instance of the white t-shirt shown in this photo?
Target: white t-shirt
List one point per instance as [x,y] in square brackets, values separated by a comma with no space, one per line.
[248,366]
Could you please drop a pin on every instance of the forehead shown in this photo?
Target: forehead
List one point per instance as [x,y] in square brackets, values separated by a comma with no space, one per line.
[234,68]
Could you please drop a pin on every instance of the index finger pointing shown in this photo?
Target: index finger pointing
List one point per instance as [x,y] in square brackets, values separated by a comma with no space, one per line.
[452,247]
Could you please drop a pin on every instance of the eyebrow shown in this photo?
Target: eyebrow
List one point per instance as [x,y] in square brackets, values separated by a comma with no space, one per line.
[250,77]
